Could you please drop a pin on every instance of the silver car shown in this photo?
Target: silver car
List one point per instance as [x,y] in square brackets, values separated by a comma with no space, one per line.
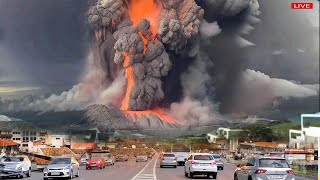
[264,168]
[141,158]
[219,161]
[66,167]
[168,159]
[14,167]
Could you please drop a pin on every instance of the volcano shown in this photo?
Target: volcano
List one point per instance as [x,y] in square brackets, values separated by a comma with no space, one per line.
[105,117]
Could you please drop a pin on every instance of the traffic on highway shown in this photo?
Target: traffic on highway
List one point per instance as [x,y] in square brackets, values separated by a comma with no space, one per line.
[155,166]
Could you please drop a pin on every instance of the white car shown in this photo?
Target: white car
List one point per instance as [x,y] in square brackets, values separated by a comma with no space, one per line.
[64,167]
[15,166]
[201,164]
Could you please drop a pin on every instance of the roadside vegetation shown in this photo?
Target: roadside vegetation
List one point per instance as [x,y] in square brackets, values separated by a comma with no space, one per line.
[277,131]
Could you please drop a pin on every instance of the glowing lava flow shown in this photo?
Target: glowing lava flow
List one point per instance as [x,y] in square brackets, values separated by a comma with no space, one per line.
[138,10]
[129,77]
[145,42]
[145,9]
[159,113]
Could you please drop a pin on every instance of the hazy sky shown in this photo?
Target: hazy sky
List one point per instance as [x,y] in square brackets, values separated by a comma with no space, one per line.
[43,42]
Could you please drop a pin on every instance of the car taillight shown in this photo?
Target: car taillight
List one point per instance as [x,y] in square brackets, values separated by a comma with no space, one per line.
[290,171]
[260,171]
[193,162]
[213,163]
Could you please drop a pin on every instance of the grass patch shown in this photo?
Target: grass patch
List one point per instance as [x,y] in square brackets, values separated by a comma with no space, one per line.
[302,171]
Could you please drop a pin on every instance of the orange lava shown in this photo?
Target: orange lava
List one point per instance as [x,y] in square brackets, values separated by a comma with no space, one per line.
[145,42]
[145,9]
[129,77]
[160,113]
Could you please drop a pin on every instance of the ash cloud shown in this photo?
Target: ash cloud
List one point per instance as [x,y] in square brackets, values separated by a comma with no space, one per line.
[209,30]
[197,107]
[257,90]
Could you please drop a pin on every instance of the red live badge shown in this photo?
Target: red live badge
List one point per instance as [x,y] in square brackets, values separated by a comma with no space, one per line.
[301,5]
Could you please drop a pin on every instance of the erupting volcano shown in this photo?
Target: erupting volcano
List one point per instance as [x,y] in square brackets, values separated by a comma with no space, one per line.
[145,33]
[149,10]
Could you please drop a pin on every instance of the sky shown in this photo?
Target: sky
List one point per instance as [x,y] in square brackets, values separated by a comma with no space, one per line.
[43,44]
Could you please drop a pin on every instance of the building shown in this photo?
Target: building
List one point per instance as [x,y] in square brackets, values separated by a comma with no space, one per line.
[20,131]
[7,147]
[58,140]
[299,140]
[35,146]
[225,138]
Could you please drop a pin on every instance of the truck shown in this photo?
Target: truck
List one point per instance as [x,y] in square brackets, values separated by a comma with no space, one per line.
[181,157]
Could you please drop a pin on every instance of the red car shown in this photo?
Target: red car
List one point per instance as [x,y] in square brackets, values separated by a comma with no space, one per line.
[96,161]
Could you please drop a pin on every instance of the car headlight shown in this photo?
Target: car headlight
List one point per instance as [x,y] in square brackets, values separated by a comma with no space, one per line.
[67,167]
[19,168]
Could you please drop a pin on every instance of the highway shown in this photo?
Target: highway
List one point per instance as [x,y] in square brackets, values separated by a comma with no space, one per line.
[150,170]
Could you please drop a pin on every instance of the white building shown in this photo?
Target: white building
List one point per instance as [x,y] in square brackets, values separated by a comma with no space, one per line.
[58,140]
[299,140]
[229,138]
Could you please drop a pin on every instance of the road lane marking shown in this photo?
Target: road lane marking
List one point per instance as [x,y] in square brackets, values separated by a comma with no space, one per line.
[147,176]
[154,168]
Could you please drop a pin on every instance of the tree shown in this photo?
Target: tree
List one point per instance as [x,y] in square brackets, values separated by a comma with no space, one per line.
[257,133]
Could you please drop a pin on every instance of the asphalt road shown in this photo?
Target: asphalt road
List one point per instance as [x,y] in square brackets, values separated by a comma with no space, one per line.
[150,170]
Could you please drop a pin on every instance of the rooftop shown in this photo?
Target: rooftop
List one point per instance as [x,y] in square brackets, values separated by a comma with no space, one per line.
[4,142]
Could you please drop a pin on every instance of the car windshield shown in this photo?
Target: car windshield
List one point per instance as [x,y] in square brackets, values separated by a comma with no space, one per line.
[216,156]
[95,156]
[203,157]
[13,159]
[168,155]
[273,163]
[61,161]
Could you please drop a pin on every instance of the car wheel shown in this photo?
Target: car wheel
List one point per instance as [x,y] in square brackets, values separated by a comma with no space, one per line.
[214,176]
[235,177]
[71,175]
[20,177]
[78,173]
[221,168]
[29,173]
